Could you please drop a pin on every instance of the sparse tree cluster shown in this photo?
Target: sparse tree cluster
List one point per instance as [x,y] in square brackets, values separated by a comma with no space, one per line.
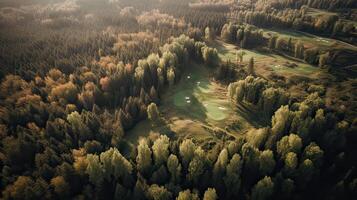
[257,92]
[246,36]
[294,18]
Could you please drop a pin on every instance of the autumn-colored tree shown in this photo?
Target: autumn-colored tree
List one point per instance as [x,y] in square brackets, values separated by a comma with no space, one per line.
[156,192]
[143,159]
[197,166]
[291,143]
[171,77]
[209,34]
[232,179]
[67,91]
[61,187]
[153,113]
[228,33]
[280,125]
[210,194]
[187,195]
[187,149]
[174,167]
[267,162]
[210,56]
[22,188]
[160,150]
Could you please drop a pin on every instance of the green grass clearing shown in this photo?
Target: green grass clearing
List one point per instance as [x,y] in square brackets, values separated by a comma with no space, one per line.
[192,108]
[309,40]
[195,95]
[266,63]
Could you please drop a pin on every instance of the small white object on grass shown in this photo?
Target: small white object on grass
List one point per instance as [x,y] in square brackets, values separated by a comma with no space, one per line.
[188,77]
[188,101]
[187,98]
[222,108]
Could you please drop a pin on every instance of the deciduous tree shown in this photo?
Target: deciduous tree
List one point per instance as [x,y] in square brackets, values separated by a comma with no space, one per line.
[187,195]
[143,159]
[210,194]
[153,113]
[263,189]
[209,34]
[174,167]
[160,150]
[187,149]
[291,143]
[266,162]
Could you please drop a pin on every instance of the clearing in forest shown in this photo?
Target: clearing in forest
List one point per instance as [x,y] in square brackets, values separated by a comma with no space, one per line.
[266,62]
[193,108]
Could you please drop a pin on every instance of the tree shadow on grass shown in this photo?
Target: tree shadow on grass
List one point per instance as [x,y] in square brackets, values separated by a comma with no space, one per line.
[252,115]
[262,52]
[221,48]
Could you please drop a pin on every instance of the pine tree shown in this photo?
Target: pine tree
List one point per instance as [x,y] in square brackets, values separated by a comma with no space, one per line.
[251,70]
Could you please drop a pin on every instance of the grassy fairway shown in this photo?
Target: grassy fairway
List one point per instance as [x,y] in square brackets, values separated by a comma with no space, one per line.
[310,40]
[228,52]
[199,98]
[193,108]
[266,62]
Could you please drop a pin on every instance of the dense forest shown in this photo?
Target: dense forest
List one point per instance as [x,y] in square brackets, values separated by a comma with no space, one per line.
[185,100]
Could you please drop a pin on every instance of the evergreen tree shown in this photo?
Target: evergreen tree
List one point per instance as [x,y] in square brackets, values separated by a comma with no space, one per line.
[250,69]
[263,189]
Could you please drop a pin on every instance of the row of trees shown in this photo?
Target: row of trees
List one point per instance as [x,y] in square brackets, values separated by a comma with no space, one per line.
[329,25]
[247,36]
[326,5]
